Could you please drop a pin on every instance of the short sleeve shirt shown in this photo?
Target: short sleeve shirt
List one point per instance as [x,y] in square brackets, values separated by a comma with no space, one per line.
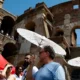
[50,71]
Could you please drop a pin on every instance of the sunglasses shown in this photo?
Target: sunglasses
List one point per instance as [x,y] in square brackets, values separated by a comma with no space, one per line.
[41,52]
[9,67]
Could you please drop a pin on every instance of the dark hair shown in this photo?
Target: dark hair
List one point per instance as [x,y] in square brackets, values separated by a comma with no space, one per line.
[17,67]
[50,50]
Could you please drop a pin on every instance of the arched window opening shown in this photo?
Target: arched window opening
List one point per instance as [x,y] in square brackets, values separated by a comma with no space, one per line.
[76,6]
[73,38]
[49,17]
[50,31]
[78,37]
[59,32]
[30,25]
[9,49]
[7,25]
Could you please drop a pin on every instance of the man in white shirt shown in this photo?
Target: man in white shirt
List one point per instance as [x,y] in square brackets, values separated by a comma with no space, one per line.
[26,65]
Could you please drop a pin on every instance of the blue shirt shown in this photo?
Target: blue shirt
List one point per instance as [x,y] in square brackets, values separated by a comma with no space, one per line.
[50,71]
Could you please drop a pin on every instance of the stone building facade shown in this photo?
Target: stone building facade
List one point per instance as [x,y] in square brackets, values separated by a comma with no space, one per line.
[57,23]
[7,22]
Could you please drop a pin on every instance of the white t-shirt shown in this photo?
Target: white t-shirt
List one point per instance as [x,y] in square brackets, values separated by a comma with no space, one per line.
[16,77]
[34,70]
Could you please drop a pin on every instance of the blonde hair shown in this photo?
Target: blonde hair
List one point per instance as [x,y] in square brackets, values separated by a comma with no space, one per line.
[5,69]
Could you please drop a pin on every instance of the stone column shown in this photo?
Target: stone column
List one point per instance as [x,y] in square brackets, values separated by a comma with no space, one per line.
[41,26]
[1,3]
[46,29]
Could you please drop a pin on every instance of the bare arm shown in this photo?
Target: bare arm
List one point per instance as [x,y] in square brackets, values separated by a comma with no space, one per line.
[12,77]
[29,72]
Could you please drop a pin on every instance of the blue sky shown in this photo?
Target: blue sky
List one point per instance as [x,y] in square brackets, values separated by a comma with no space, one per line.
[78,36]
[17,7]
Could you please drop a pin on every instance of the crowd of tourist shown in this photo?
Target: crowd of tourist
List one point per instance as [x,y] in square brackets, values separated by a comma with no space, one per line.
[48,70]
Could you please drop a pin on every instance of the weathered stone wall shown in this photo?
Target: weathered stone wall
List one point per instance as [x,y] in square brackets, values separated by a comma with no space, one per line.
[66,17]
[61,10]
[34,19]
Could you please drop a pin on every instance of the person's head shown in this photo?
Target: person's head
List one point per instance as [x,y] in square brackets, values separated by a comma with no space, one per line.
[18,70]
[27,57]
[47,52]
[7,70]
[26,60]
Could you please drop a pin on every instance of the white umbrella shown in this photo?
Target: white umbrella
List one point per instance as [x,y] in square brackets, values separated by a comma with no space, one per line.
[40,40]
[74,62]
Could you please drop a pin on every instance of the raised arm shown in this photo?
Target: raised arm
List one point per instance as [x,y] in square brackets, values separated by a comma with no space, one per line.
[29,75]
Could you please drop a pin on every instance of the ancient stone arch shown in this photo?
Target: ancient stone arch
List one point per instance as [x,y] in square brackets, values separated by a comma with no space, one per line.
[73,35]
[9,51]
[24,44]
[59,32]
[7,25]
[30,25]
[48,16]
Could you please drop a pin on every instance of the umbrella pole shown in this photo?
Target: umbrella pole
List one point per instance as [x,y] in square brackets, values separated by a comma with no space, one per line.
[40,42]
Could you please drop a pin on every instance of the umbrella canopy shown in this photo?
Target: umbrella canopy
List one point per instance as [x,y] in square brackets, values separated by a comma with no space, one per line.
[40,40]
[74,62]
[3,62]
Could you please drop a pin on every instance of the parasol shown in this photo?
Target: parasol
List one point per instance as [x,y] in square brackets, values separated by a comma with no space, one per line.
[74,62]
[40,40]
